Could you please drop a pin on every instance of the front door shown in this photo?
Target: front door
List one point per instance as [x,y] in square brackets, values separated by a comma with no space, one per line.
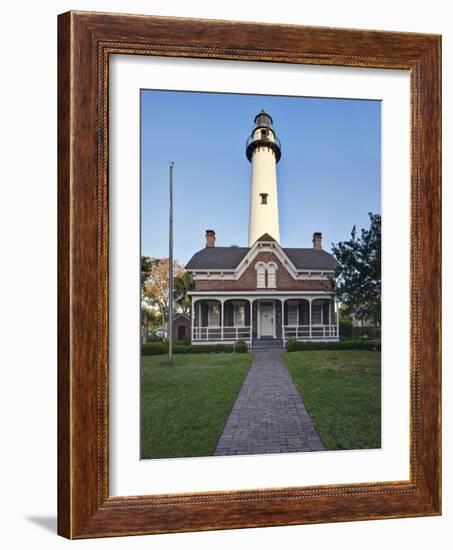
[267,320]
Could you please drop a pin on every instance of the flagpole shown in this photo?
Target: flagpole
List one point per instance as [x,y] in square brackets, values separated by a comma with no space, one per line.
[170,270]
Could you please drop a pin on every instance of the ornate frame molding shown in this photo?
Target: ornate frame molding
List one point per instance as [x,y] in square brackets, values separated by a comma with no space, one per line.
[86,40]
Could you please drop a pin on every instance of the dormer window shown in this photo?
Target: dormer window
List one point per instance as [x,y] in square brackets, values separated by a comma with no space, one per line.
[263,198]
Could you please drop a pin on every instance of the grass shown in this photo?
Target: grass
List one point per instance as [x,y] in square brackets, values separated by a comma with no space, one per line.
[184,407]
[342,392]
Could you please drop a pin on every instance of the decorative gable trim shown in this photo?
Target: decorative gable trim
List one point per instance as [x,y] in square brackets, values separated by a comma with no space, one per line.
[259,247]
[266,246]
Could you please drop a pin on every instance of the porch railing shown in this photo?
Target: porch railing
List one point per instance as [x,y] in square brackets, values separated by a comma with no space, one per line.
[305,332]
[229,334]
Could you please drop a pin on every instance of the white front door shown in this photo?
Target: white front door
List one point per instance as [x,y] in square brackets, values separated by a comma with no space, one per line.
[267,321]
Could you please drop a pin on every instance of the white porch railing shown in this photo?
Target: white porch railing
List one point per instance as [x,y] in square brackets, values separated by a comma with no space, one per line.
[228,334]
[305,332]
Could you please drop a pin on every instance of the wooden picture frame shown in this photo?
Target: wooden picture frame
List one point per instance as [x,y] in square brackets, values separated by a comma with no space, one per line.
[85,41]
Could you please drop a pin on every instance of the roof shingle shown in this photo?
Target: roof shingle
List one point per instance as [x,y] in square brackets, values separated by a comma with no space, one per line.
[229,257]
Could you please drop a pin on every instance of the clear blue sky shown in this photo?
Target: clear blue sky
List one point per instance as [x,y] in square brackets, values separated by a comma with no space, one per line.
[328,177]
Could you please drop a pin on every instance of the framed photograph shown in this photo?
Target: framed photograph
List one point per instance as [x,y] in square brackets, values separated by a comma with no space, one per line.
[249,275]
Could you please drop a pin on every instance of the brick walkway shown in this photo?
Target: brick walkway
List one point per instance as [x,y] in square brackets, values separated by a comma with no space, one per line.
[269,416]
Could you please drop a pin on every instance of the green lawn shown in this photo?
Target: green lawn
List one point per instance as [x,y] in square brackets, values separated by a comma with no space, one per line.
[342,392]
[184,407]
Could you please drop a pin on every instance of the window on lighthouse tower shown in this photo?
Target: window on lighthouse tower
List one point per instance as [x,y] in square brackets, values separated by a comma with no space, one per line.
[263,198]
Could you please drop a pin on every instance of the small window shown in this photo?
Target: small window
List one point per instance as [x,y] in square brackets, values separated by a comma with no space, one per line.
[271,279]
[239,315]
[292,314]
[263,198]
[264,134]
[316,314]
[213,315]
[260,277]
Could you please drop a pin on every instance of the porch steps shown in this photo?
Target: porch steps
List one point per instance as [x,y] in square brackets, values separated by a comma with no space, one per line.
[267,344]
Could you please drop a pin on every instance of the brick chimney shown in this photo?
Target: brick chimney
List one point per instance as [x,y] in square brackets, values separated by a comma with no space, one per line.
[317,241]
[210,238]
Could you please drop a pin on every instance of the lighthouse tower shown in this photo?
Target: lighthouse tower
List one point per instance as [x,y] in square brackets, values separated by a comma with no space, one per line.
[263,151]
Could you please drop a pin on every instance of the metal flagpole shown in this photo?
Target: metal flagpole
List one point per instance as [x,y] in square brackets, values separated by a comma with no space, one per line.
[170,270]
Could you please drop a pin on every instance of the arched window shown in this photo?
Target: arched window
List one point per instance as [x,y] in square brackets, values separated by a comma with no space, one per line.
[271,275]
[260,275]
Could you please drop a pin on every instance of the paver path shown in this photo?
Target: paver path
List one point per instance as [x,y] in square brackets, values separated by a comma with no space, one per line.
[269,415]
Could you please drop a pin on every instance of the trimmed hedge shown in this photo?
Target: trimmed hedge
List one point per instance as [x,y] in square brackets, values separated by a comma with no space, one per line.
[155,348]
[161,348]
[241,347]
[366,332]
[205,348]
[294,345]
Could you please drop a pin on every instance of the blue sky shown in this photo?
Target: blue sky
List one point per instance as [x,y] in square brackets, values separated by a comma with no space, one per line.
[328,177]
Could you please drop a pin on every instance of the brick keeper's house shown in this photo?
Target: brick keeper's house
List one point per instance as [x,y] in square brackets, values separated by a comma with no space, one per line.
[263,293]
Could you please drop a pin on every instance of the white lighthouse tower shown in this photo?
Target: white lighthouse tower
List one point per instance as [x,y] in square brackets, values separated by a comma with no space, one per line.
[263,151]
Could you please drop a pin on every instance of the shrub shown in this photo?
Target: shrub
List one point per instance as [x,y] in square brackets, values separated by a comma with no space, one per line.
[205,348]
[366,332]
[241,347]
[345,326]
[160,348]
[293,345]
[154,348]
[184,342]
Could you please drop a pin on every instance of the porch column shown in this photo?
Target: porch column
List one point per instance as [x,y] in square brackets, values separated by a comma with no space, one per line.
[338,317]
[332,317]
[222,312]
[192,312]
[258,327]
[322,320]
[282,300]
[309,316]
[329,319]
[251,321]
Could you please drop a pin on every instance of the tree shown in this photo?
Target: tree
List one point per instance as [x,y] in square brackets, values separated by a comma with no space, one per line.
[357,280]
[155,292]
[182,284]
[146,264]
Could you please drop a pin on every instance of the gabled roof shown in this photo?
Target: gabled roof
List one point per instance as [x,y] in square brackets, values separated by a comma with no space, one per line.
[181,315]
[217,257]
[310,258]
[229,257]
[266,238]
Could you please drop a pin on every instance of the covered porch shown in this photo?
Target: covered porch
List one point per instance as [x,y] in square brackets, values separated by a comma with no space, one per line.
[227,319]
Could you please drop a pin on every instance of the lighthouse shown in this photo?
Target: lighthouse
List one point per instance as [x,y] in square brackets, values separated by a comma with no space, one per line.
[263,150]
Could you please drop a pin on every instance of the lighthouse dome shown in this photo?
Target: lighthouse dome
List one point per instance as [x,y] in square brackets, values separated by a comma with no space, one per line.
[263,135]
